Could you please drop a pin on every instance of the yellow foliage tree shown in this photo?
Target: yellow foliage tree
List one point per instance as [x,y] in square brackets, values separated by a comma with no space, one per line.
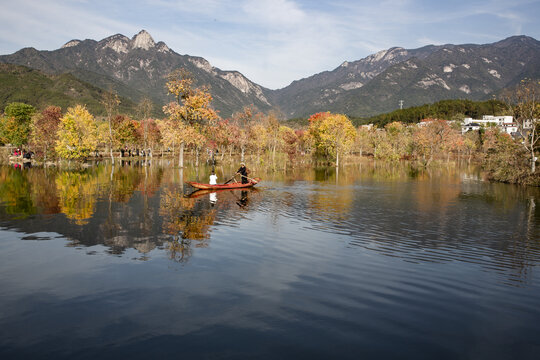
[258,138]
[332,135]
[192,107]
[78,134]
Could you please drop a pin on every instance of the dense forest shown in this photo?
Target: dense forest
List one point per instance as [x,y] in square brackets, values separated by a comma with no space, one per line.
[444,109]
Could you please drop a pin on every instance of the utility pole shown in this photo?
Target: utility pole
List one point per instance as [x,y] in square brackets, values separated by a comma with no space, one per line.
[400,104]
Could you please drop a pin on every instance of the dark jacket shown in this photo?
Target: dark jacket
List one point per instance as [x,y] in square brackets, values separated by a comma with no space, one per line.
[244,172]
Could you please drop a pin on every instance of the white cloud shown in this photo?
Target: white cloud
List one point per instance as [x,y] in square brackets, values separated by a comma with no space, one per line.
[273,42]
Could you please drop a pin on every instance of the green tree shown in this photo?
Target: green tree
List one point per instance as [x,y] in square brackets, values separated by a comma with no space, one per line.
[15,127]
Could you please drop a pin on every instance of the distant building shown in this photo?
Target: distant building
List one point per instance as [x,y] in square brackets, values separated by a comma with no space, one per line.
[472,126]
[505,123]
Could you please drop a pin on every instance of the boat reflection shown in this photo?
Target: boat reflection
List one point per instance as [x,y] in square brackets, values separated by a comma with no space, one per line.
[188,219]
[242,197]
[424,216]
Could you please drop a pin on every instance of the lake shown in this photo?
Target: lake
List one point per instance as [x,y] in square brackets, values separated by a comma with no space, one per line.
[373,261]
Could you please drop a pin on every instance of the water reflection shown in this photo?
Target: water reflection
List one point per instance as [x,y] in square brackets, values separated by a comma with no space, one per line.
[436,215]
[315,262]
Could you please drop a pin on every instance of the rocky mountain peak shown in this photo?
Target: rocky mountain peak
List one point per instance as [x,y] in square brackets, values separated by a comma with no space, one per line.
[119,43]
[71,43]
[143,40]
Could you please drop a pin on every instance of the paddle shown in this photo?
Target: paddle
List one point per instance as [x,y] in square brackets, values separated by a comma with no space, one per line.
[228,181]
[253,180]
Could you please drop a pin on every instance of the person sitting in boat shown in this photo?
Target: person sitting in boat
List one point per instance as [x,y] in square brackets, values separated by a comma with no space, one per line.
[213,179]
[243,171]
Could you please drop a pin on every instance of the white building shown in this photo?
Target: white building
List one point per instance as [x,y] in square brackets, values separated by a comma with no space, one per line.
[505,123]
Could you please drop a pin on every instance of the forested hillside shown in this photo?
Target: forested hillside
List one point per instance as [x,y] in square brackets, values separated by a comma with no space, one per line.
[22,84]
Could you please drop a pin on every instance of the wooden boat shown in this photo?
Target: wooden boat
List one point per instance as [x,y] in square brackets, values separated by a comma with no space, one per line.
[200,192]
[234,185]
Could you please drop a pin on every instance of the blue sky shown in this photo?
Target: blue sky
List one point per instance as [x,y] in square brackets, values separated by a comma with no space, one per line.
[272,42]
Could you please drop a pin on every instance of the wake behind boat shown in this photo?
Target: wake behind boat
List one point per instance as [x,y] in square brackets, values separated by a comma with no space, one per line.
[235,185]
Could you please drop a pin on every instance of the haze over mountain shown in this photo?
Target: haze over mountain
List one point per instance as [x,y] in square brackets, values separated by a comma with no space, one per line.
[138,66]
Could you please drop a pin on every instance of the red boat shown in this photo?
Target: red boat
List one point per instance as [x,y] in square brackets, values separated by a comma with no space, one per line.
[200,192]
[234,185]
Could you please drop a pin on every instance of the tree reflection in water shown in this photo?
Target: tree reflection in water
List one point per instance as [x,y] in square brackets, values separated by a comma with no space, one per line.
[188,219]
[145,207]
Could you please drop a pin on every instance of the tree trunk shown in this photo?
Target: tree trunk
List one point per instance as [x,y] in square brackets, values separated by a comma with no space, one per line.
[181,155]
[242,155]
[111,140]
[533,162]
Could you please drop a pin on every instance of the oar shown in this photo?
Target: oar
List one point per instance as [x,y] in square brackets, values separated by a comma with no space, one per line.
[228,181]
[255,181]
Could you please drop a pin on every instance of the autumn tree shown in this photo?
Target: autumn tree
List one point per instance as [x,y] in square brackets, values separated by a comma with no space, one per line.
[524,104]
[363,140]
[110,102]
[258,138]
[221,134]
[289,141]
[144,108]
[126,132]
[332,135]
[504,159]
[242,121]
[394,143]
[77,134]
[150,133]
[191,108]
[273,131]
[430,139]
[44,131]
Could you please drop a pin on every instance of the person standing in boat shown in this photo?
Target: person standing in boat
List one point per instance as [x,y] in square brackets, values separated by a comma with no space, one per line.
[243,171]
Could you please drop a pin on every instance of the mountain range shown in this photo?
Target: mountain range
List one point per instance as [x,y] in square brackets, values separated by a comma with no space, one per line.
[139,66]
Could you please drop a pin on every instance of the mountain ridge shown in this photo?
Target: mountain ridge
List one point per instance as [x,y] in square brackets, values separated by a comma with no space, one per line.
[137,67]
[445,74]
[142,64]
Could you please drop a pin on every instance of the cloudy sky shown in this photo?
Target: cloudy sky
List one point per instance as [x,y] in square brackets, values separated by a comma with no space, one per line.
[272,42]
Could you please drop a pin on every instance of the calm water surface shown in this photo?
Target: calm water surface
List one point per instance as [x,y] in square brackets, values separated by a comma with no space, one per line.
[372,262]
